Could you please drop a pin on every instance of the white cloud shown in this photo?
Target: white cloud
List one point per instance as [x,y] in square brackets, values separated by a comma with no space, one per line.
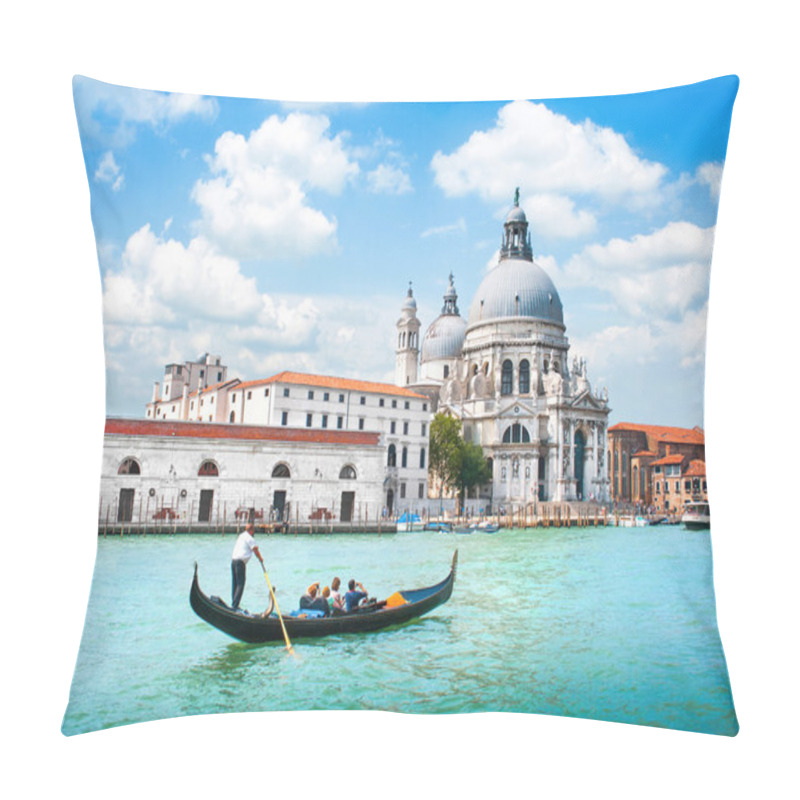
[108,171]
[386,179]
[134,107]
[662,273]
[710,174]
[544,153]
[555,215]
[457,227]
[256,206]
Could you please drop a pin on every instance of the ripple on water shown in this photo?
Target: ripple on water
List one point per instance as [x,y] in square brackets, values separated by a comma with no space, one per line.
[614,624]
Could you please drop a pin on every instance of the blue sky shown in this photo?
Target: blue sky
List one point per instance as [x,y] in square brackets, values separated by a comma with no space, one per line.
[284,236]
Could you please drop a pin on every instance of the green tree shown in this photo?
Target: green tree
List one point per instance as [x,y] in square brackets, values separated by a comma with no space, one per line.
[444,460]
[474,468]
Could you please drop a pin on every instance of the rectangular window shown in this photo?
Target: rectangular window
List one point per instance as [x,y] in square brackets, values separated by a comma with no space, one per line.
[310,394]
[249,395]
[286,392]
[394,403]
[380,402]
[233,397]
[421,491]
[363,400]
[341,398]
[391,427]
[424,406]
[339,422]
[326,396]
[285,418]
[361,423]
[402,490]
[309,418]
[424,429]
[266,392]
[405,428]
[324,420]
[407,405]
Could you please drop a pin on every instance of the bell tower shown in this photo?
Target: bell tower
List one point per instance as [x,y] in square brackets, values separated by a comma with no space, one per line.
[407,349]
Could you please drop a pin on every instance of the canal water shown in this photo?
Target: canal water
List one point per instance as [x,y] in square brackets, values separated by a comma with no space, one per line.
[610,623]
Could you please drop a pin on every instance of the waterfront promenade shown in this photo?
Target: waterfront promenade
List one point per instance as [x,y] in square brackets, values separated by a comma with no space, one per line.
[539,515]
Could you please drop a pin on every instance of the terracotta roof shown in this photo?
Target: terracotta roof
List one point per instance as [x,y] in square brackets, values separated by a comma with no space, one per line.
[329,382]
[697,469]
[675,458]
[644,453]
[664,433]
[215,430]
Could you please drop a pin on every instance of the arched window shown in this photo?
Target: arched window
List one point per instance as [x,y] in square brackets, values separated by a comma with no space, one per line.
[524,377]
[130,466]
[515,434]
[404,458]
[208,469]
[422,458]
[348,473]
[507,383]
[392,459]
[281,471]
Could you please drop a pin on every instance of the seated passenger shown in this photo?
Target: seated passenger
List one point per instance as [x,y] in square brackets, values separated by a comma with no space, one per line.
[335,600]
[310,600]
[353,597]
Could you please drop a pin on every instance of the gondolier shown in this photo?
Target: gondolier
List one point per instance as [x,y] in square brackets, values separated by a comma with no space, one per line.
[244,548]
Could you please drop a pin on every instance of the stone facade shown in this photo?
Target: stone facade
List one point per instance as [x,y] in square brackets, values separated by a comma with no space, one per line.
[321,403]
[211,474]
[505,374]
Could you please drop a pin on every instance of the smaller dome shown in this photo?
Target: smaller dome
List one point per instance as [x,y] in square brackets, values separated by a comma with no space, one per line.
[516,215]
[444,338]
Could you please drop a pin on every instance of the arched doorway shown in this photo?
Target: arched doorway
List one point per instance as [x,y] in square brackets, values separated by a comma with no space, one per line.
[580,454]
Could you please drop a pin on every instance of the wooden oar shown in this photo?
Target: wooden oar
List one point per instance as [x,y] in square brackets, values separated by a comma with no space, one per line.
[278,609]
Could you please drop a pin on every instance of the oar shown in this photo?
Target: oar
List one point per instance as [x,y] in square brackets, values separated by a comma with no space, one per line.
[278,609]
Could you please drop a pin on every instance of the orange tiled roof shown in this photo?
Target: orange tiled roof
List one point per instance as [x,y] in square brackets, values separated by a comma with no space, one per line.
[329,382]
[216,430]
[697,469]
[665,433]
[644,453]
[675,458]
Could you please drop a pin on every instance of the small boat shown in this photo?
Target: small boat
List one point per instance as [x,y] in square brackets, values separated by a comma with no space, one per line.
[464,529]
[398,608]
[632,522]
[488,527]
[439,525]
[410,522]
[696,516]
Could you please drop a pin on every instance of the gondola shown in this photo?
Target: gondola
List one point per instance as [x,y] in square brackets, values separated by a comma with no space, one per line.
[256,629]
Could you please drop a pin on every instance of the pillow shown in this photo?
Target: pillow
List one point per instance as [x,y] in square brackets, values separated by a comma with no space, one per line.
[453,351]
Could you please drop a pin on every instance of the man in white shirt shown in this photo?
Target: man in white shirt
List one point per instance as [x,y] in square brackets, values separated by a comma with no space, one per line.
[244,548]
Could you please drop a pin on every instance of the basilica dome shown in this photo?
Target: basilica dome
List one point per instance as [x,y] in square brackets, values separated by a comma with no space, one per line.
[516,287]
[444,338]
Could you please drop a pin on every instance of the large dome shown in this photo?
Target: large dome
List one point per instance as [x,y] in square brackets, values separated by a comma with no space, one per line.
[444,338]
[516,287]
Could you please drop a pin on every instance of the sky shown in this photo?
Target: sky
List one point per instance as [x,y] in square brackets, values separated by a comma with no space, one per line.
[284,236]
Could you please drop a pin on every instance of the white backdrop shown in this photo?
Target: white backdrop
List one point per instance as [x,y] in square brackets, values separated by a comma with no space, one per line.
[368,51]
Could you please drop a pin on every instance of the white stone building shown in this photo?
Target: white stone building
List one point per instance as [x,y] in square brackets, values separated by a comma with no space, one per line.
[321,403]
[188,473]
[505,373]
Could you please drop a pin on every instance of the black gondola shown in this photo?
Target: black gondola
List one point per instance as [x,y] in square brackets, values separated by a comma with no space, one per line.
[256,629]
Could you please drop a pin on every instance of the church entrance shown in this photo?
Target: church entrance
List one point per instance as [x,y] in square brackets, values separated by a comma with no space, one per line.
[580,455]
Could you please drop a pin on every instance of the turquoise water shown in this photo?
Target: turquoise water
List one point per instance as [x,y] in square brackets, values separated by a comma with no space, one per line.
[616,624]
